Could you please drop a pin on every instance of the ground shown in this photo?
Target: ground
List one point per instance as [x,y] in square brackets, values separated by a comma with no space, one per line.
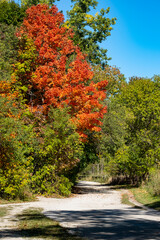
[96,212]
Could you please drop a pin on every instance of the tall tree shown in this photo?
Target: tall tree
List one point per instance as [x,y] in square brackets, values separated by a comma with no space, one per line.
[53,71]
[90,30]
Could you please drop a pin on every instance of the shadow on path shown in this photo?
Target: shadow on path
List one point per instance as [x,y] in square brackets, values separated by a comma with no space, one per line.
[86,188]
[110,224]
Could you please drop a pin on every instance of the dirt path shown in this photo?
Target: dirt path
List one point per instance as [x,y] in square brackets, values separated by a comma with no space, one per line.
[96,213]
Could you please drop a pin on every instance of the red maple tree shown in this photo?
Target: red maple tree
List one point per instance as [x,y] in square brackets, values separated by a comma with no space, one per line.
[59,74]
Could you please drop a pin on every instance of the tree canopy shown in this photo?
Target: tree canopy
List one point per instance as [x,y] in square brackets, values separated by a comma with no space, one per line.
[90,30]
[55,71]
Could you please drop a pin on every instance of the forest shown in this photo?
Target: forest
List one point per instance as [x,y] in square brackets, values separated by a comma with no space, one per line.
[63,107]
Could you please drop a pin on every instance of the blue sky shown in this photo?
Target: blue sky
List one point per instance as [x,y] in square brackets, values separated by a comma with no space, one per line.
[134,44]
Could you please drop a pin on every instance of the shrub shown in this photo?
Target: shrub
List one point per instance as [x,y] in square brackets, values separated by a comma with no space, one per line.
[14,183]
[47,182]
[153,184]
[16,150]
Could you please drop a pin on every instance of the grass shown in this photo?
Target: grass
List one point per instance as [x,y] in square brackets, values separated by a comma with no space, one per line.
[4,211]
[125,200]
[142,196]
[9,201]
[32,223]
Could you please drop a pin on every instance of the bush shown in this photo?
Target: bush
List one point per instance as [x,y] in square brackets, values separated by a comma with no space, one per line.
[153,184]
[16,150]
[14,183]
[47,182]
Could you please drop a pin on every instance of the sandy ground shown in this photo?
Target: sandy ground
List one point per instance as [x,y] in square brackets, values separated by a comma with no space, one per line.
[95,213]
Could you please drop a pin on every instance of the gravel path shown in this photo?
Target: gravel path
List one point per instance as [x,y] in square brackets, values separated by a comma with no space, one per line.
[95,213]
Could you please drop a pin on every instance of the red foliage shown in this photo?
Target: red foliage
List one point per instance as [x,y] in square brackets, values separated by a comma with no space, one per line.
[62,76]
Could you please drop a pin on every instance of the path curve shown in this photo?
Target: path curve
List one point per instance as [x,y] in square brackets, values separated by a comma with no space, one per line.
[95,213]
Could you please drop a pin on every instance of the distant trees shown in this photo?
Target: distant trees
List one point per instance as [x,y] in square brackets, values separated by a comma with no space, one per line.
[132,138]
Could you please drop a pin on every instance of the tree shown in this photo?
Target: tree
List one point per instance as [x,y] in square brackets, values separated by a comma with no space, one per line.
[11,13]
[11,16]
[29,3]
[115,78]
[59,152]
[52,71]
[8,50]
[90,30]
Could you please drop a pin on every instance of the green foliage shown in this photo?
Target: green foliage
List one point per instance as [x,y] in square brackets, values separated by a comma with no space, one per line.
[43,152]
[114,128]
[153,184]
[23,68]
[15,152]
[11,13]
[127,163]
[89,155]
[90,30]
[115,78]
[29,3]
[11,16]
[61,146]
[14,183]
[8,50]
[59,152]
[47,182]
[134,148]
[142,97]
[36,153]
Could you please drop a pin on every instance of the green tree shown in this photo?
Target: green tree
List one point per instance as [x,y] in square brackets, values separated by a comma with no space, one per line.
[115,78]
[59,152]
[90,30]
[8,50]
[11,16]
[11,13]
[29,3]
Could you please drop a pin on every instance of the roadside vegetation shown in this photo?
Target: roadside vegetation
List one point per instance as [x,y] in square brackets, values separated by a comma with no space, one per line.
[149,192]
[144,197]
[125,200]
